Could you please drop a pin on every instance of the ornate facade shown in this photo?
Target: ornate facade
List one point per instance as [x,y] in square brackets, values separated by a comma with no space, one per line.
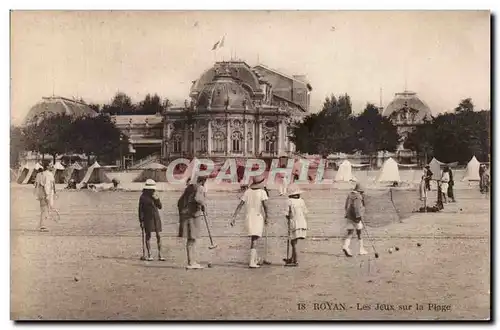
[406,111]
[235,112]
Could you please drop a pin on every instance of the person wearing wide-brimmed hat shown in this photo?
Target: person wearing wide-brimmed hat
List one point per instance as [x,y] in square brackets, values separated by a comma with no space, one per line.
[354,213]
[255,199]
[191,206]
[297,223]
[149,217]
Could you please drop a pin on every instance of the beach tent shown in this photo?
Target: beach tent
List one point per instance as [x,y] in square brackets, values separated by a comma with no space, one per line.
[59,172]
[389,172]
[472,171]
[155,171]
[28,173]
[13,175]
[74,171]
[345,172]
[435,166]
[96,174]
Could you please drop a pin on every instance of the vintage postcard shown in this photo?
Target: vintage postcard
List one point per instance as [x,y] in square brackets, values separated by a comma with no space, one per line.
[274,165]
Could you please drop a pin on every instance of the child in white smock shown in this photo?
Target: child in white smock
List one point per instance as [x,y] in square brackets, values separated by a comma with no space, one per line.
[297,223]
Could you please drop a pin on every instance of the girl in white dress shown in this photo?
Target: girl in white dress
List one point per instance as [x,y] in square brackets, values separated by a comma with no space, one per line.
[255,199]
[297,223]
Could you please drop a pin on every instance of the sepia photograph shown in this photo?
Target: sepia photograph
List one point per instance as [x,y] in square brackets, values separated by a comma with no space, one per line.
[276,165]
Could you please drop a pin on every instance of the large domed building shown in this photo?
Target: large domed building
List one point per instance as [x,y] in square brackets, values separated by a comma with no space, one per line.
[58,105]
[236,111]
[406,111]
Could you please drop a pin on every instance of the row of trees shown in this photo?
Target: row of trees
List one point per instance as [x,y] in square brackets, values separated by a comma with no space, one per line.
[336,129]
[455,136]
[61,134]
[450,137]
[122,104]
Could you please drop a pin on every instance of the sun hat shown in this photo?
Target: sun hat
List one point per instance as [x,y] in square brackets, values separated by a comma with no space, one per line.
[359,187]
[150,184]
[258,182]
[294,190]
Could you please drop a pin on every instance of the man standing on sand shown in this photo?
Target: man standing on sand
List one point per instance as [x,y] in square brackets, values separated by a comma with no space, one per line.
[149,217]
[255,199]
[191,206]
[354,213]
[45,184]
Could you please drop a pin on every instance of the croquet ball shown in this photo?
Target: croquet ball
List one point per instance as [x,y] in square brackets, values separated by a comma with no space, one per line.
[397,249]
[376,255]
[418,244]
[390,250]
[209,265]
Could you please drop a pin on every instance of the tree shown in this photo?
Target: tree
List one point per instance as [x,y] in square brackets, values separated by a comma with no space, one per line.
[150,105]
[465,105]
[374,132]
[98,136]
[17,145]
[121,104]
[421,139]
[48,135]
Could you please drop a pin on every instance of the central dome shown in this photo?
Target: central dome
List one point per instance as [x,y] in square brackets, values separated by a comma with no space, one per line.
[223,93]
[408,100]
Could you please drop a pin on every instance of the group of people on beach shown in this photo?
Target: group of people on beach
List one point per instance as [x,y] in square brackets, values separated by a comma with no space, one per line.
[192,207]
[444,186]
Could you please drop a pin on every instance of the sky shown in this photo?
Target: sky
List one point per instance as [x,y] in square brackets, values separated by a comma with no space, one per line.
[371,55]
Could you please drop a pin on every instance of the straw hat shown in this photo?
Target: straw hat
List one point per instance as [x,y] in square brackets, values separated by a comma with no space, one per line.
[258,182]
[294,190]
[359,187]
[150,184]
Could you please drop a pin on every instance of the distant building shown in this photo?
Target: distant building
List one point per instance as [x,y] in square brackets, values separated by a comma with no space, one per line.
[236,111]
[58,105]
[406,111]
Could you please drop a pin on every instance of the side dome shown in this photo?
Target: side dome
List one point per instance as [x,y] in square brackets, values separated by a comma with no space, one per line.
[407,106]
[58,105]
[222,94]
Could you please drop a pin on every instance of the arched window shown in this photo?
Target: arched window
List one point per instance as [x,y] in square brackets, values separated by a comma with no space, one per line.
[237,139]
[270,140]
[177,141]
[203,143]
[219,141]
[249,142]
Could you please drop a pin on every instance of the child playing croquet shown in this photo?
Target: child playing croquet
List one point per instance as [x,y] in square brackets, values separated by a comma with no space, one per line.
[255,199]
[297,223]
[354,213]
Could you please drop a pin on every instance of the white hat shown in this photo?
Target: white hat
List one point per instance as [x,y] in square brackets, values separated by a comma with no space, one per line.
[150,184]
[294,190]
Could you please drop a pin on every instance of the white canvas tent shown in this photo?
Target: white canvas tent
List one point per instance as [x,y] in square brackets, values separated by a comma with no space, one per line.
[96,174]
[74,171]
[13,175]
[155,171]
[345,172]
[472,171]
[435,166]
[389,172]
[28,173]
[59,172]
